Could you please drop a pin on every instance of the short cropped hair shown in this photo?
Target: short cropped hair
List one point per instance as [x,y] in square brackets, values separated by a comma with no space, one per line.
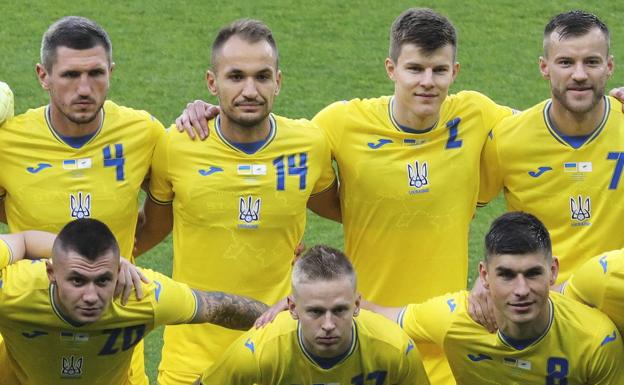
[517,233]
[249,30]
[87,237]
[424,28]
[574,24]
[73,32]
[322,263]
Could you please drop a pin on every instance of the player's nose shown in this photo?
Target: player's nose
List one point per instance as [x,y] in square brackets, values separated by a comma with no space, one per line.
[249,89]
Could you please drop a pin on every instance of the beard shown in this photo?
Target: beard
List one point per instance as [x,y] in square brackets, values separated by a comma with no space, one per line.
[573,105]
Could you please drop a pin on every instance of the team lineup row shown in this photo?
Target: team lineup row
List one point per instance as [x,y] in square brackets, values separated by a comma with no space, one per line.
[412,167]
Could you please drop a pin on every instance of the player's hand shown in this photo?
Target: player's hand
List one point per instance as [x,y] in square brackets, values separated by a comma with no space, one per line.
[194,118]
[129,277]
[270,314]
[481,307]
[618,93]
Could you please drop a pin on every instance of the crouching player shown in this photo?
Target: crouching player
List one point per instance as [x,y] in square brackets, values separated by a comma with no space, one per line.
[61,325]
[325,339]
[543,337]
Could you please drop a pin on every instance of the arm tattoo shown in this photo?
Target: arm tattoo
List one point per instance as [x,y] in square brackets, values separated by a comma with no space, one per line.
[227,310]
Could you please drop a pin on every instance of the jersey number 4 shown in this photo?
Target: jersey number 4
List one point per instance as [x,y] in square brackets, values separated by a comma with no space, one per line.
[117,161]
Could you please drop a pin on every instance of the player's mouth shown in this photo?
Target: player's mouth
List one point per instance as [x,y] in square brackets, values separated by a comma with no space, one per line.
[580,89]
[327,341]
[522,307]
[426,95]
[89,311]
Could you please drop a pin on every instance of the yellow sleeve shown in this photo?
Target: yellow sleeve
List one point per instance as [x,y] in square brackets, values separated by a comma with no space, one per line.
[174,302]
[492,113]
[589,282]
[490,175]
[331,119]
[160,189]
[6,255]
[239,365]
[412,369]
[327,177]
[606,361]
[431,320]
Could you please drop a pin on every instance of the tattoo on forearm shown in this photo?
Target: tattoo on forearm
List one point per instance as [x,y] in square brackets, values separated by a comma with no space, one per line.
[227,310]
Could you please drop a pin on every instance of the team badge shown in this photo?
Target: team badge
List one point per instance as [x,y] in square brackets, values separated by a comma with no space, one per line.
[72,367]
[249,211]
[418,177]
[80,205]
[580,210]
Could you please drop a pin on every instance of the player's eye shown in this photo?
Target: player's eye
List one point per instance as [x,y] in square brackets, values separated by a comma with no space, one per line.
[76,281]
[103,281]
[70,74]
[441,70]
[96,73]
[263,77]
[236,77]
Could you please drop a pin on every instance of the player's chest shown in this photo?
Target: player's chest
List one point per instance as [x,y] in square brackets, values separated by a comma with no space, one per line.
[396,164]
[476,364]
[222,181]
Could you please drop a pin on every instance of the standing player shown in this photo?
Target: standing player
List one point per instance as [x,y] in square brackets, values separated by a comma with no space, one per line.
[543,337]
[61,324]
[562,159]
[409,169]
[245,189]
[599,283]
[80,156]
[325,338]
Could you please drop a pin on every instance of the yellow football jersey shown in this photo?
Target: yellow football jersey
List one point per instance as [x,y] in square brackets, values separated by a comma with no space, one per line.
[580,346]
[48,183]
[237,220]
[6,255]
[45,348]
[599,283]
[574,191]
[380,354]
[408,197]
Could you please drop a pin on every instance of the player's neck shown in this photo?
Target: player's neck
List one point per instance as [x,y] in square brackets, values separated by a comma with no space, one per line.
[407,118]
[525,330]
[65,127]
[576,124]
[237,133]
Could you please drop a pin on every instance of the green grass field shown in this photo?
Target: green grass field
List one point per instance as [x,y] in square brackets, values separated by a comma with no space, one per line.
[329,50]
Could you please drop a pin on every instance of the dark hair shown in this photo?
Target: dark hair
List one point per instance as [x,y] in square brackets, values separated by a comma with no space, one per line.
[424,28]
[517,233]
[249,30]
[322,263]
[88,237]
[574,24]
[73,32]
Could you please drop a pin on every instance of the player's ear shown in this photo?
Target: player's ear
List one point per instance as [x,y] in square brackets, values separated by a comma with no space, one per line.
[111,68]
[211,82]
[610,66]
[291,307]
[390,68]
[543,66]
[50,271]
[42,75]
[358,300]
[483,274]
[278,80]
[554,270]
[456,68]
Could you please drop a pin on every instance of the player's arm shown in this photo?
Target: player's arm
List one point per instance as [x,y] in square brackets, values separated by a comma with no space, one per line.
[391,313]
[29,244]
[227,310]
[412,369]
[154,224]
[605,365]
[327,203]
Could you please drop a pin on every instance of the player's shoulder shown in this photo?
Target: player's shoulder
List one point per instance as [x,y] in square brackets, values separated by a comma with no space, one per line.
[376,329]
[469,98]
[358,105]
[267,342]
[30,118]
[605,264]
[512,123]
[127,115]
[298,128]
[580,319]
[23,277]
